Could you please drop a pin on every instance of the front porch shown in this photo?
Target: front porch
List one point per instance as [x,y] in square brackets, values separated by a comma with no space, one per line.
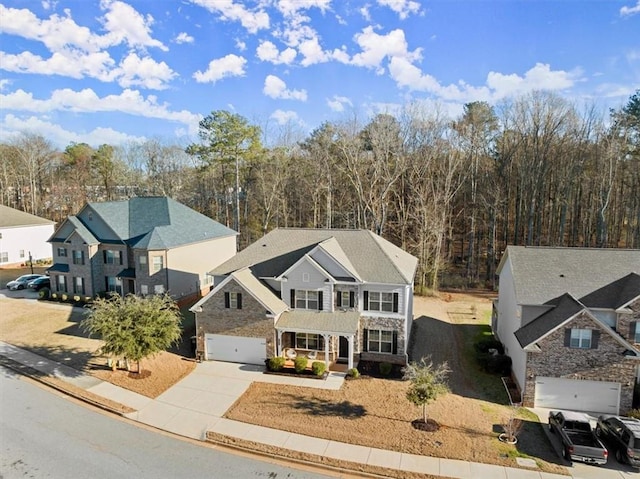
[318,336]
[334,365]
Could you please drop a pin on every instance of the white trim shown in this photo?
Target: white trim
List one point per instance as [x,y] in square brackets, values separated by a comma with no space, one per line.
[312,262]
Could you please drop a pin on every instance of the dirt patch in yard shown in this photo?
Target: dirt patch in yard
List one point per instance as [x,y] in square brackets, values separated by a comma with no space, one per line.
[53,330]
[375,412]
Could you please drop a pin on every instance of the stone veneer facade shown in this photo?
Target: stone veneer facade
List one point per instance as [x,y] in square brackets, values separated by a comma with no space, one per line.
[249,321]
[606,363]
[625,320]
[395,324]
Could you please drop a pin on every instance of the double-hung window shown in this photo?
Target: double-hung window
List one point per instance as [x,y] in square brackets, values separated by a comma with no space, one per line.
[306,299]
[232,300]
[580,338]
[114,284]
[309,341]
[112,256]
[383,302]
[78,256]
[380,341]
[62,283]
[158,264]
[62,252]
[78,285]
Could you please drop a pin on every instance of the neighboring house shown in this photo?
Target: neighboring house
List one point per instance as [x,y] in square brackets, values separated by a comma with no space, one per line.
[327,294]
[23,234]
[568,318]
[147,245]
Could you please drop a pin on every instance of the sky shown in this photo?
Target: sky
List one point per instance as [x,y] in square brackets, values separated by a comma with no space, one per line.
[114,71]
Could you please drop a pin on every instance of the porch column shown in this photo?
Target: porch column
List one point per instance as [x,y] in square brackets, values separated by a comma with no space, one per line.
[279,348]
[350,358]
[326,350]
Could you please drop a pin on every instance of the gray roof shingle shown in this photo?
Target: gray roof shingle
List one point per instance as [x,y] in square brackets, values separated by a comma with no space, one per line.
[543,273]
[614,295]
[156,223]
[374,259]
[12,218]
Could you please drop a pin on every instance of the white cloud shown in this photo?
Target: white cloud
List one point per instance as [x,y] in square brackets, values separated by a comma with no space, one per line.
[227,66]
[337,103]
[87,101]
[131,71]
[497,86]
[283,117]
[364,11]
[268,52]
[12,125]
[375,48]
[125,24]
[49,5]
[628,11]
[183,37]
[240,45]
[292,7]
[403,8]
[274,87]
[4,83]
[230,11]
[145,72]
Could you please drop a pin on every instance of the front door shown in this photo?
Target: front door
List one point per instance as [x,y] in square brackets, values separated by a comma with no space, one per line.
[343,350]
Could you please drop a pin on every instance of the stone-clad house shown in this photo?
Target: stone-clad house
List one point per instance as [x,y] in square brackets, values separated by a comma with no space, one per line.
[568,318]
[146,245]
[332,295]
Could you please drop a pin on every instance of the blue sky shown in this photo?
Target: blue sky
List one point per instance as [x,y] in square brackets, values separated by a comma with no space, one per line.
[115,71]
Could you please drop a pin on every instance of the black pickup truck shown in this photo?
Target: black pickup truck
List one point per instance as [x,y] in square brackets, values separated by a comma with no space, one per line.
[579,442]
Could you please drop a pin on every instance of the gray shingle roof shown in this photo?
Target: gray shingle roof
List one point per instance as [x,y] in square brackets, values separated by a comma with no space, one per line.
[250,283]
[82,231]
[157,223]
[566,306]
[375,259]
[542,273]
[614,295]
[12,218]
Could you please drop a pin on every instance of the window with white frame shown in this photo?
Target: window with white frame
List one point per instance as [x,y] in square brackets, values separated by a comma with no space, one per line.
[4,257]
[380,301]
[309,341]
[144,289]
[78,256]
[580,338]
[78,285]
[636,336]
[22,253]
[158,289]
[62,283]
[380,341]
[112,256]
[62,252]
[114,284]
[142,260]
[306,299]
[158,263]
[233,300]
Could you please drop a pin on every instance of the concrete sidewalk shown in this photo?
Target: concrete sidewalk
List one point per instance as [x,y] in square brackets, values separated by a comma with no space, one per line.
[197,403]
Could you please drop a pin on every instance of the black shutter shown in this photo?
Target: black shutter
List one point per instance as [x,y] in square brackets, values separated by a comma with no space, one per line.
[567,337]
[319,300]
[339,299]
[352,299]
[239,305]
[82,285]
[106,283]
[293,298]
[632,331]
[365,340]
[395,342]
[595,337]
[120,256]
[227,301]
[104,256]
[365,307]
[395,302]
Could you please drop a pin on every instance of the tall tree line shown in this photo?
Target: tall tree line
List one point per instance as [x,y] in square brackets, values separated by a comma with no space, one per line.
[532,170]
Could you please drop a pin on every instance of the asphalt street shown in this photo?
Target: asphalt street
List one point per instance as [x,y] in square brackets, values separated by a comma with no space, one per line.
[44,435]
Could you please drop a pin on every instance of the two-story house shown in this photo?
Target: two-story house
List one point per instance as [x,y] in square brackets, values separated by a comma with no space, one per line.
[147,245]
[23,237]
[567,318]
[333,295]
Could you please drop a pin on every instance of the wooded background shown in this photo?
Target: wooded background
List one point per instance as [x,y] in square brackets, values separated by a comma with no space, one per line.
[532,170]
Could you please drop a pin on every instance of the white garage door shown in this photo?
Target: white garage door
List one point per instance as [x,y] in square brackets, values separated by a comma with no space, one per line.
[577,395]
[236,349]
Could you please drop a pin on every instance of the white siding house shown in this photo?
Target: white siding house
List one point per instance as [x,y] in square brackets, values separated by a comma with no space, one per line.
[23,234]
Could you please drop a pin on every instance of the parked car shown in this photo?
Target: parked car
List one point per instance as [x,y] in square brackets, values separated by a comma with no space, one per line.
[622,435]
[39,283]
[579,442]
[22,281]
